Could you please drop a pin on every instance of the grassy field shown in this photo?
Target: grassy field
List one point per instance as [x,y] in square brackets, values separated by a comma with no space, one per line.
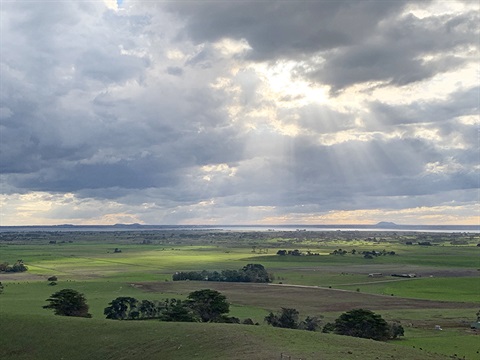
[446,292]
[102,339]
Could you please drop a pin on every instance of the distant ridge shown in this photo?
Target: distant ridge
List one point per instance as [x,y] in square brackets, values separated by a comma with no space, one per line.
[386,224]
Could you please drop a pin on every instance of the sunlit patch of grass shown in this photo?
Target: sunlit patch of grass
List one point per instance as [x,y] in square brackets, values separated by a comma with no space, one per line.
[446,289]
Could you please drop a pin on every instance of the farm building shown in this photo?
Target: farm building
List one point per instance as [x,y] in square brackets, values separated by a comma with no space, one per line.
[405,275]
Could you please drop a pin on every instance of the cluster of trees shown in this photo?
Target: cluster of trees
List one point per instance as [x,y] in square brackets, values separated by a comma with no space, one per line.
[358,323]
[1,287]
[249,273]
[364,324]
[341,252]
[200,306]
[374,253]
[19,266]
[211,306]
[296,252]
[289,318]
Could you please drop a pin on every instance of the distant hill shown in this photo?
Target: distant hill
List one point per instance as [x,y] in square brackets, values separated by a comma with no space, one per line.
[386,224]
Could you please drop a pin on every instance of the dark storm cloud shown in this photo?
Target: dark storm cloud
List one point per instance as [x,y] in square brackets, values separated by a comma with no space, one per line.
[283,29]
[377,46]
[54,67]
[398,53]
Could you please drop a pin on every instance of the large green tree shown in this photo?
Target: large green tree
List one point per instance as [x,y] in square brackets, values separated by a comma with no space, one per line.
[362,323]
[256,273]
[208,304]
[68,302]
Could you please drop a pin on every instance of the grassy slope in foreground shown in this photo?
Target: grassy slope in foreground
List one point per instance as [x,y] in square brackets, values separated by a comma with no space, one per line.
[48,337]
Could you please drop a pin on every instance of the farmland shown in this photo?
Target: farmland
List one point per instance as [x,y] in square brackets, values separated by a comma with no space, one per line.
[104,265]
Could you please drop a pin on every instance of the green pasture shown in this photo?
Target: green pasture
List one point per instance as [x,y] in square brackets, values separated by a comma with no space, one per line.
[144,271]
[78,339]
[452,342]
[447,289]
[437,256]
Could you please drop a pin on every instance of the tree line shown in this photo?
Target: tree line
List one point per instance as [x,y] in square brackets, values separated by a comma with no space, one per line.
[357,323]
[249,273]
[366,254]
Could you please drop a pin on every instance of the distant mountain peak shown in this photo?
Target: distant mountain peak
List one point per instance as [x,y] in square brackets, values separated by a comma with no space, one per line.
[386,224]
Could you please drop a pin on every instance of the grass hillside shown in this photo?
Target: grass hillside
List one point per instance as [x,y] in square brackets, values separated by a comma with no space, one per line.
[54,337]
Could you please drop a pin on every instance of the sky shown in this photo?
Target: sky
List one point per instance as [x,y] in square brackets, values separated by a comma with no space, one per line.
[239,112]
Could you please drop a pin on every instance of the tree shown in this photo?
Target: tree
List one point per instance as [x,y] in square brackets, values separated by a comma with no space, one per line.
[311,323]
[123,307]
[68,302]
[19,266]
[1,287]
[286,318]
[362,323]
[177,310]
[147,309]
[256,273]
[208,304]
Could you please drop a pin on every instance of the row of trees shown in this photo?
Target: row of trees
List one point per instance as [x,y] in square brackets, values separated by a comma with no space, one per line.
[249,273]
[19,266]
[296,252]
[200,306]
[366,254]
[357,323]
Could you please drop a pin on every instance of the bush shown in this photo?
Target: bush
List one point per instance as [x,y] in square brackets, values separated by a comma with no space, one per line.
[288,318]
[248,321]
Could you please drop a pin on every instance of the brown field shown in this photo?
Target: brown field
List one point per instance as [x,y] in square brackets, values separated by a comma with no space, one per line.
[308,299]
